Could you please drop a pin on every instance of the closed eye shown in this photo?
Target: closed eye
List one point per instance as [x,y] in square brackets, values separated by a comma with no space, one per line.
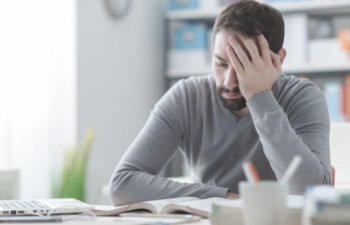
[221,64]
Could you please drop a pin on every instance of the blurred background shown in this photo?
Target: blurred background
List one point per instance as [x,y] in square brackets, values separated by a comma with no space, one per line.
[78,79]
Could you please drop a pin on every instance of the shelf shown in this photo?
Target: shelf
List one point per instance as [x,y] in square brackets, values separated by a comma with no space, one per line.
[340,125]
[317,68]
[303,69]
[321,7]
[192,14]
[179,73]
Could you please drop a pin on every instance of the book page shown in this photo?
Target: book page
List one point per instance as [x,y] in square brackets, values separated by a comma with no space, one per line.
[110,210]
[159,218]
[159,205]
[200,207]
[154,206]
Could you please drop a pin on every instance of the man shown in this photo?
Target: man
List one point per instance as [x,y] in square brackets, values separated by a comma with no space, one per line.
[246,110]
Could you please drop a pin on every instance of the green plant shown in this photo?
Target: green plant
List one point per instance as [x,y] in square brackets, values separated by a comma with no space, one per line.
[70,182]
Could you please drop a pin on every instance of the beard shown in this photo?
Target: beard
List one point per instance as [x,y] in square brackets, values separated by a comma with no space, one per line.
[231,104]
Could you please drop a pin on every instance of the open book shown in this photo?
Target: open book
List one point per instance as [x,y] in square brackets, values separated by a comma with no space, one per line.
[190,205]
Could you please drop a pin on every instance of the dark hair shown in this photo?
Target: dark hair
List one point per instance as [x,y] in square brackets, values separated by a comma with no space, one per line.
[252,18]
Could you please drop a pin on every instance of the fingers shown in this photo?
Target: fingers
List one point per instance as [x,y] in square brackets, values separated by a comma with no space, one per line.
[276,61]
[252,48]
[237,56]
[234,60]
[245,52]
[246,48]
[263,46]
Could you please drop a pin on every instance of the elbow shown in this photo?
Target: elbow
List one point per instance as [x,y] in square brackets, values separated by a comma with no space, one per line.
[326,178]
[118,191]
[299,186]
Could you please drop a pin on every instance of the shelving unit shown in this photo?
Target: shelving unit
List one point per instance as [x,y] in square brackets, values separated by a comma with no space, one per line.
[310,8]
[306,7]
[301,69]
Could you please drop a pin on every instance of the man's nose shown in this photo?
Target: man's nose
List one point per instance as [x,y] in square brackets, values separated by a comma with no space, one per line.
[230,79]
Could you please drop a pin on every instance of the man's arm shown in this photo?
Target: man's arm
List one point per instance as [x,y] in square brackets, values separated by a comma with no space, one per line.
[136,176]
[304,131]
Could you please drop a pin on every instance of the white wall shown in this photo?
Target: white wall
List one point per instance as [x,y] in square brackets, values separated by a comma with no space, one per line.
[37,78]
[120,77]
[340,152]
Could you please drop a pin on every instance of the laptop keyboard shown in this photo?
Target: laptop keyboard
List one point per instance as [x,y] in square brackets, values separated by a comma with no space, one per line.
[21,205]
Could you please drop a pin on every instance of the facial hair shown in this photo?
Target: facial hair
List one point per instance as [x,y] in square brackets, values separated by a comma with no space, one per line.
[231,104]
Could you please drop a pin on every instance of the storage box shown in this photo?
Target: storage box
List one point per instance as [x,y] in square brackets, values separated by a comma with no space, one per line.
[327,51]
[183,4]
[191,36]
[295,35]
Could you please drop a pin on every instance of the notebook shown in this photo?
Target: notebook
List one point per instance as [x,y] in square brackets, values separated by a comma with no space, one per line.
[42,207]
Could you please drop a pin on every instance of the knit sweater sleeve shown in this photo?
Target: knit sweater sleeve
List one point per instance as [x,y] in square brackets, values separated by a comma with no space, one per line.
[136,176]
[300,128]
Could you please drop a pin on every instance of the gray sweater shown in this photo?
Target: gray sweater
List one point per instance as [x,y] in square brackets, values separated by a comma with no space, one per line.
[291,119]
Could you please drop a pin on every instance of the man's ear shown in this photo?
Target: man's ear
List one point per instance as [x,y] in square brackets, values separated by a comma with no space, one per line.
[282,53]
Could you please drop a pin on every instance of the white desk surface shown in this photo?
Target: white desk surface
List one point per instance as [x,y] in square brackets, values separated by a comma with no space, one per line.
[109,221]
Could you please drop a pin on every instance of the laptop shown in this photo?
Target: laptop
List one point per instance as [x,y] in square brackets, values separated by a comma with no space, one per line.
[42,207]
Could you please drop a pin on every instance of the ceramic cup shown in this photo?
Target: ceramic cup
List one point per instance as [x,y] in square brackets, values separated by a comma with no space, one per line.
[264,203]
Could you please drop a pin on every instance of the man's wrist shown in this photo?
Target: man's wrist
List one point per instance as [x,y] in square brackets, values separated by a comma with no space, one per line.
[262,103]
[231,195]
[256,93]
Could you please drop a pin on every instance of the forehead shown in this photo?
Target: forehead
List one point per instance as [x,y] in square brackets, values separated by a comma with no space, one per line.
[221,42]
[221,38]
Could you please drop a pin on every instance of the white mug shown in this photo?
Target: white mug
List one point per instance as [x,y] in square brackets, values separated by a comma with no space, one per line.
[264,203]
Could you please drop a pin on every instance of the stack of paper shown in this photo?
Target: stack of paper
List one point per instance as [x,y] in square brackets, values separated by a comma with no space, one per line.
[327,205]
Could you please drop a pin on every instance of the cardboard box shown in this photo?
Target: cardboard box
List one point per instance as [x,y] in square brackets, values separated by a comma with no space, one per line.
[191,36]
[183,4]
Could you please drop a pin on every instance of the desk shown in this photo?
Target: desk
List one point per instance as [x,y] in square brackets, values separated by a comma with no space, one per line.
[109,221]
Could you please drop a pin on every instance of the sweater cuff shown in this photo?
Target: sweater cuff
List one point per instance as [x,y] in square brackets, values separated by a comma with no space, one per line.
[218,192]
[263,103]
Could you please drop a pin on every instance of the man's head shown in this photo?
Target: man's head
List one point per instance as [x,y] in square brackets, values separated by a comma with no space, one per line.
[248,18]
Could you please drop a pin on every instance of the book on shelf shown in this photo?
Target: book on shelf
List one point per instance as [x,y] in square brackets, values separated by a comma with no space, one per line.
[187,205]
[338,99]
[347,96]
[334,92]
